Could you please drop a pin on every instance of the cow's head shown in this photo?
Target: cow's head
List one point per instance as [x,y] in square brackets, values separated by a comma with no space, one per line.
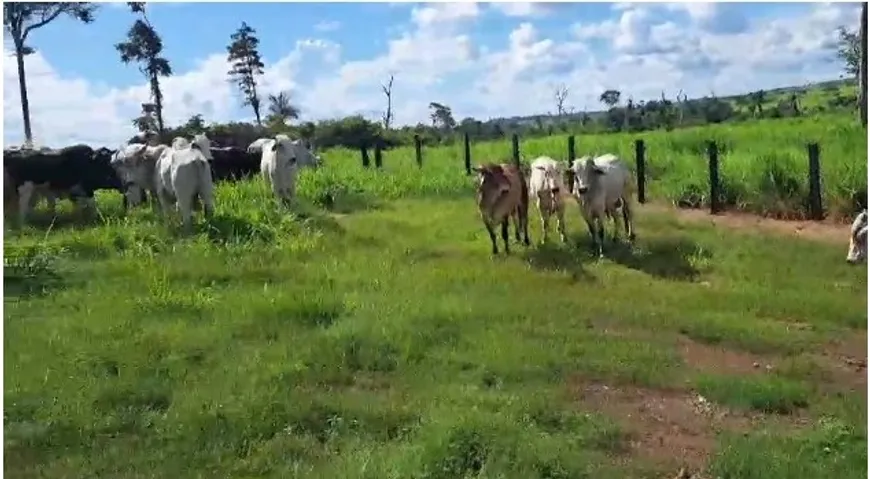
[585,174]
[551,177]
[858,240]
[491,183]
[201,142]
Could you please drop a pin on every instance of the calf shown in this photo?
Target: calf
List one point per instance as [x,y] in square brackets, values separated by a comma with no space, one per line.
[75,172]
[546,186]
[502,193]
[858,239]
[183,174]
[601,186]
[279,165]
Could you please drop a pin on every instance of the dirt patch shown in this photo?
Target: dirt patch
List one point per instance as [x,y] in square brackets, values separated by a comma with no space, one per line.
[826,231]
[717,359]
[846,360]
[670,428]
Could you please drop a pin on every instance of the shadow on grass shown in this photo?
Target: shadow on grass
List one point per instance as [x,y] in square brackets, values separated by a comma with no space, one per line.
[345,201]
[564,258]
[668,258]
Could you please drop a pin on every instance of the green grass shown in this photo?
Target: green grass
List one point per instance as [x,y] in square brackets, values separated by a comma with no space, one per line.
[763,164]
[381,339]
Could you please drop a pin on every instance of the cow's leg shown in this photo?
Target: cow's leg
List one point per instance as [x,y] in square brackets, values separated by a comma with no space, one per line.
[615,221]
[25,196]
[491,231]
[600,222]
[207,196]
[628,220]
[560,218]
[166,202]
[185,208]
[504,234]
[524,221]
[545,221]
[515,217]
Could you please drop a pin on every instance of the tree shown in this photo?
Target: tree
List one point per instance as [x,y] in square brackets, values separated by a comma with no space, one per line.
[246,65]
[20,19]
[610,98]
[560,95]
[849,50]
[281,108]
[388,91]
[144,46]
[442,116]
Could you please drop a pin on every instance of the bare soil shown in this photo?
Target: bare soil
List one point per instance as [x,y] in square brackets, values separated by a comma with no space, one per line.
[826,231]
[721,360]
[846,360]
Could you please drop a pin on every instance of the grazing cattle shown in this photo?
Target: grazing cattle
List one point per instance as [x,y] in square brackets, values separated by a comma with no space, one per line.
[502,193]
[858,239]
[233,163]
[280,163]
[546,186]
[75,172]
[601,186]
[183,174]
[136,164]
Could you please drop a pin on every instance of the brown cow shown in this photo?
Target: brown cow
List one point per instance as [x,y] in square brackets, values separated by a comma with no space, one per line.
[502,192]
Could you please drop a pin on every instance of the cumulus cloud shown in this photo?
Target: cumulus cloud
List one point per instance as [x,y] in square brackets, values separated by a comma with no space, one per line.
[641,50]
[328,26]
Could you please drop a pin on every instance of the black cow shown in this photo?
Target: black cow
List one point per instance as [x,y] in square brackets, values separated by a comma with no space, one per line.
[74,172]
[233,164]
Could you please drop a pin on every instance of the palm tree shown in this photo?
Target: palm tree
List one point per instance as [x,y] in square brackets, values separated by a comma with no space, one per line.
[281,107]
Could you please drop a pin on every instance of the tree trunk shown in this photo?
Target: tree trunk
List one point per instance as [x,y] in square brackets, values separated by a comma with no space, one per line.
[158,103]
[862,67]
[22,88]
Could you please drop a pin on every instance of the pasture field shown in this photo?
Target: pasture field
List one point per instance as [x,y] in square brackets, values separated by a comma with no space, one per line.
[370,334]
[763,164]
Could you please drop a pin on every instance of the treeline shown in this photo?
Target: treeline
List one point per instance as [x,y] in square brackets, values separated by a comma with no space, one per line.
[357,131]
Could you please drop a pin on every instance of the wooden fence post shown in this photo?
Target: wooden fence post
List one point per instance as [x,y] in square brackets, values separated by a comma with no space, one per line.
[815,177]
[467,154]
[379,159]
[571,152]
[418,150]
[515,149]
[365,155]
[639,152]
[713,152]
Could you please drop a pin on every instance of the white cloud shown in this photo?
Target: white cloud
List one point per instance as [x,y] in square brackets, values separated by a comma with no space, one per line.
[642,50]
[520,9]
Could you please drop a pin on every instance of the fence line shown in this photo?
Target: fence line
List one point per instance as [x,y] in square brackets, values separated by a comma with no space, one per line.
[814,200]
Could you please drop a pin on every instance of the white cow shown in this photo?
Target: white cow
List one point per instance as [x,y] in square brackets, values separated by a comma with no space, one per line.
[546,186]
[136,164]
[601,186]
[280,165]
[183,173]
[858,239]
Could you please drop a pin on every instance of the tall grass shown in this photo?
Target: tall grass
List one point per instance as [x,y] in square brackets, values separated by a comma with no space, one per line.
[763,165]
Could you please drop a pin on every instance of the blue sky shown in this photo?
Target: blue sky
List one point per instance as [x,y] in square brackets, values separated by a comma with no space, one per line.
[483,60]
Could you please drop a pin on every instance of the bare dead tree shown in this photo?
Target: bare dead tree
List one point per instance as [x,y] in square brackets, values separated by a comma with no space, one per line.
[561,94]
[388,91]
[682,98]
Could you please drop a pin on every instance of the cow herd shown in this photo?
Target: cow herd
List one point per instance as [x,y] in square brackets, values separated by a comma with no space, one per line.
[601,186]
[177,176]
[181,175]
